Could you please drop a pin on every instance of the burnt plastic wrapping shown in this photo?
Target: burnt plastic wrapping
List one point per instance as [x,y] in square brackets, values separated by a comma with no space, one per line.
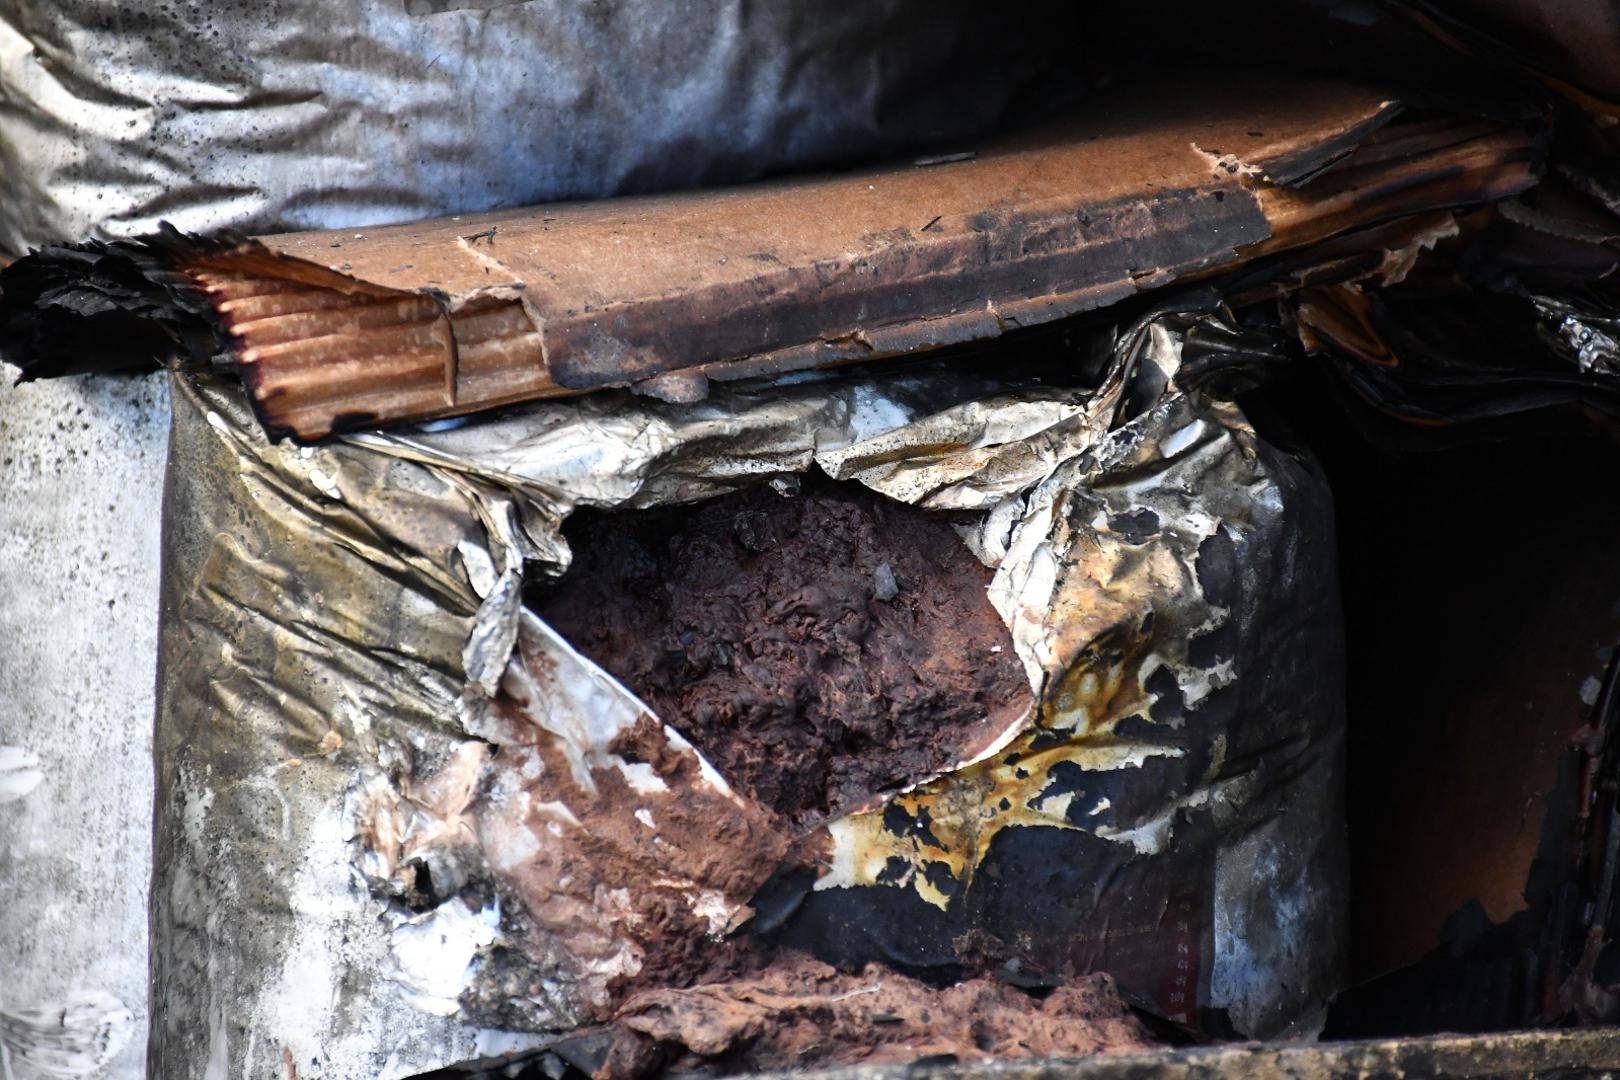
[304,113]
[1173,814]
[402,823]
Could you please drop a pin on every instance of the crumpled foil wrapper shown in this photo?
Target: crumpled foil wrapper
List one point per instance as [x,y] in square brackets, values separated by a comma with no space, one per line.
[404,824]
[293,114]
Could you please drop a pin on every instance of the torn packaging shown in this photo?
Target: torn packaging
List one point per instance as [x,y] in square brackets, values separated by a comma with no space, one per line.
[351,813]
[1181,176]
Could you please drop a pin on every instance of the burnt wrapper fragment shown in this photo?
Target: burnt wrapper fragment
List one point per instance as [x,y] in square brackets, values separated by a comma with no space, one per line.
[119,306]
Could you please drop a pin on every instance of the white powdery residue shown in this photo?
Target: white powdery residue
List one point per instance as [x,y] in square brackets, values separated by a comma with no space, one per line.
[325,483]
[480,568]
[1055,807]
[358,716]
[1112,757]
[841,872]
[557,811]
[295,1005]
[710,905]
[267,782]
[874,413]
[706,772]
[508,849]
[1151,836]
[374,807]
[434,951]
[1198,523]
[1225,165]
[20,773]
[1102,804]
[75,1037]
[219,1047]
[584,706]
[199,800]
[1178,441]
[714,908]
[625,962]
[641,777]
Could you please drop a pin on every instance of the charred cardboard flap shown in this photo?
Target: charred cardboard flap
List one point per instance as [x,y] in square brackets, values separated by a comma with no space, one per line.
[335,331]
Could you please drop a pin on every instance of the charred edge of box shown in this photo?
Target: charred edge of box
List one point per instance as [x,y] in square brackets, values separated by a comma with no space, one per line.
[470,370]
[900,299]
[1298,166]
[287,319]
[1357,196]
[1020,269]
[322,352]
[105,306]
[1042,265]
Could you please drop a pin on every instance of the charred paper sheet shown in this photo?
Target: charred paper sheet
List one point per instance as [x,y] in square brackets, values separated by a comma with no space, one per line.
[405,823]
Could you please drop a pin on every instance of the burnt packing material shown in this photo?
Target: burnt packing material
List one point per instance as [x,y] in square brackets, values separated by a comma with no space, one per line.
[536,850]
[870,598]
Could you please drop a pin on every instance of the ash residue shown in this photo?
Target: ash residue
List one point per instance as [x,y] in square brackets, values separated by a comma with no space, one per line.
[820,649]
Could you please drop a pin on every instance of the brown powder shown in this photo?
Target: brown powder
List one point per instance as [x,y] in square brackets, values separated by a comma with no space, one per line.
[821,648]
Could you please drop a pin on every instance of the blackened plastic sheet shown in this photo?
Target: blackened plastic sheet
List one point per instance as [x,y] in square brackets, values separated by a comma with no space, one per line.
[309,114]
[400,818]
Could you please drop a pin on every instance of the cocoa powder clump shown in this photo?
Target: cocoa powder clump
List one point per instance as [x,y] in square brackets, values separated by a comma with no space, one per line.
[820,648]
